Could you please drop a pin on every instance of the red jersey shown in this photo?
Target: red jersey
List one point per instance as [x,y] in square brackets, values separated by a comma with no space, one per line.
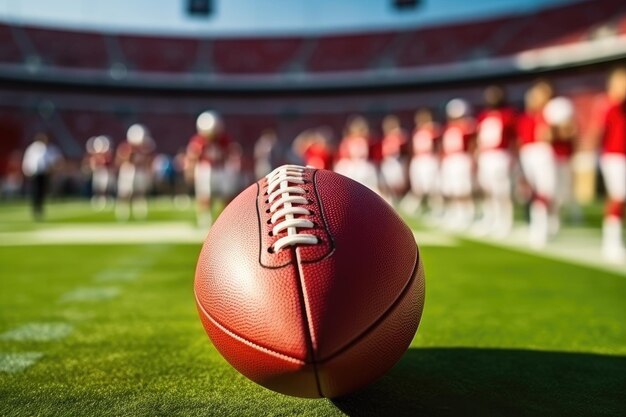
[614,132]
[458,136]
[496,129]
[100,160]
[138,155]
[425,139]
[393,142]
[355,146]
[318,156]
[213,151]
[563,148]
[528,126]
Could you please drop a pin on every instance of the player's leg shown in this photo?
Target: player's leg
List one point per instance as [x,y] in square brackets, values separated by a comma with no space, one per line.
[125,184]
[450,206]
[487,207]
[38,191]
[501,195]
[202,185]
[540,171]
[613,168]
[467,208]
[99,183]
[141,187]
[412,202]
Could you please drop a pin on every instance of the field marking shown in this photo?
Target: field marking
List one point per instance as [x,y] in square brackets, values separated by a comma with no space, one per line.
[577,246]
[17,362]
[117,275]
[38,332]
[428,238]
[77,315]
[107,233]
[158,235]
[84,294]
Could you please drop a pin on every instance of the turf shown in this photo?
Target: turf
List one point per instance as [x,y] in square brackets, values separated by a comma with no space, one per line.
[503,333]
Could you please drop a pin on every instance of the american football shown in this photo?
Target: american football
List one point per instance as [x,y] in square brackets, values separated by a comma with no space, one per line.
[310,284]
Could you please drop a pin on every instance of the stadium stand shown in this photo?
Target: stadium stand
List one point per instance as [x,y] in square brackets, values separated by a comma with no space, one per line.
[94,111]
[61,48]
[347,52]
[9,51]
[565,25]
[82,124]
[259,56]
[422,47]
[158,54]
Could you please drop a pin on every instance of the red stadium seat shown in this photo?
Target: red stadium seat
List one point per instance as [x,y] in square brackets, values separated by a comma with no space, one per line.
[82,124]
[62,48]
[9,52]
[261,56]
[159,54]
[348,52]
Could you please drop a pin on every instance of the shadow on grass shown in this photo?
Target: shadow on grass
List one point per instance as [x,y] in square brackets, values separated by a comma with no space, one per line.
[464,381]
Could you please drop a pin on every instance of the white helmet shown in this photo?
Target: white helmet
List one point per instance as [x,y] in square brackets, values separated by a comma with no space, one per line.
[137,134]
[559,110]
[101,144]
[89,145]
[208,123]
[457,108]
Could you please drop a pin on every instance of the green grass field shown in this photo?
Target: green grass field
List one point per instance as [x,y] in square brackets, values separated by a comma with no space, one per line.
[88,329]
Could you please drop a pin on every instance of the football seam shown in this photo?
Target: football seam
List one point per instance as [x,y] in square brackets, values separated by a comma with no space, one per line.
[382,317]
[344,348]
[308,329]
[246,341]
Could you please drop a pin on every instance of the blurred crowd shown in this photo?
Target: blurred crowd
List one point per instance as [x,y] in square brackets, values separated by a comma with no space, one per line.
[464,171]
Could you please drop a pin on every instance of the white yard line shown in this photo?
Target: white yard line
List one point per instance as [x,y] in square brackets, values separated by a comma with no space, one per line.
[90,294]
[427,238]
[155,234]
[106,233]
[17,362]
[578,246]
[117,275]
[38,332]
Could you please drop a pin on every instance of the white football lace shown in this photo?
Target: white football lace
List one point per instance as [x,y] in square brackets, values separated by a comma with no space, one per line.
[283,192]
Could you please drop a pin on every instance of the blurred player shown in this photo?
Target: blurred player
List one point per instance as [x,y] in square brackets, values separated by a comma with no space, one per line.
[497,129]
[392,169]
[314,147]
[559,114]
[232,177]
[457,145]
[206,154]
[613,166]
[538,161]
[182,187]
[424,166]
[265,153]
[163,175]
[40,159]
[100,161]
[134,159]
[354,152]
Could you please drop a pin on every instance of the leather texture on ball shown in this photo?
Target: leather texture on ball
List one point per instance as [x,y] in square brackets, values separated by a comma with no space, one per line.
[316,320]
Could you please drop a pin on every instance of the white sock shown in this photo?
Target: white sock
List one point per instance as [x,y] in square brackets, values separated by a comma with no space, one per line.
[122,210]
[612,240]
[538,232]
[140,208]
